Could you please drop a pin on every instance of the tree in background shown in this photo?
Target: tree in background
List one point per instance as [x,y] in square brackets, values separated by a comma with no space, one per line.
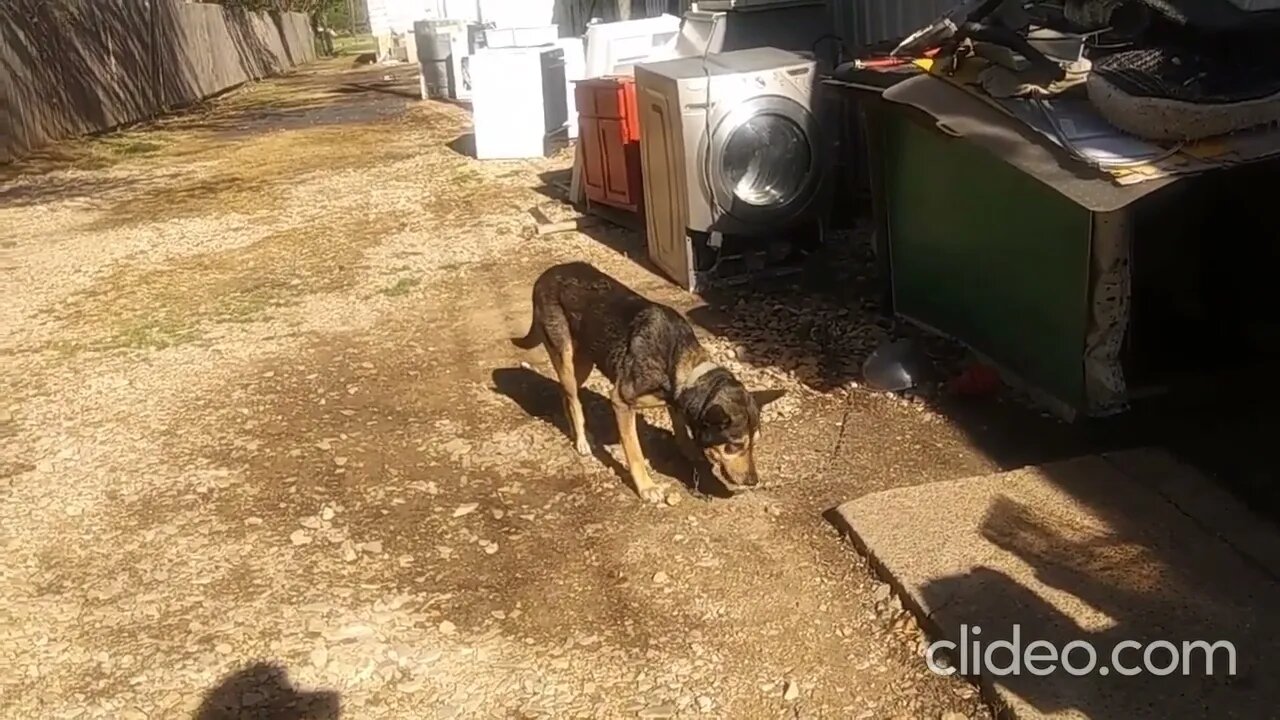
[348,16]
[320,12]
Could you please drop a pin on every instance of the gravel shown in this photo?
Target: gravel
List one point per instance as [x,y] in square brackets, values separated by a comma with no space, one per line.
[265,445]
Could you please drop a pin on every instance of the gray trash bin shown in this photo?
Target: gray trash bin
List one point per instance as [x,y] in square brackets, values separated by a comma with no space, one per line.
[435,45]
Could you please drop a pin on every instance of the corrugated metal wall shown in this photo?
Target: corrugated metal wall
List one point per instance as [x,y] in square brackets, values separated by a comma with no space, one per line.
[863,22]
[654,8]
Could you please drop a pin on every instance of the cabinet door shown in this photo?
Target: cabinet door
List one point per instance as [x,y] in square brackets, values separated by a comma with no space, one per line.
[594,169]
[617,177]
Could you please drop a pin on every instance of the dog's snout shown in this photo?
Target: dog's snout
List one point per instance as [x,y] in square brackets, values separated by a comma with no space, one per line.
[744,477]
[734,469]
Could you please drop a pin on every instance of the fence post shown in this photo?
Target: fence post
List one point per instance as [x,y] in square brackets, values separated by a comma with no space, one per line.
[153,62]
[12,128]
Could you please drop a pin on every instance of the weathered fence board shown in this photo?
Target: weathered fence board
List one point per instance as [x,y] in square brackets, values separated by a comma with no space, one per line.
[69,67]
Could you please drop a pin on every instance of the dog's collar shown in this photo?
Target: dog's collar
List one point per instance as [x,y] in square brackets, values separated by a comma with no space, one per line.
[697,372]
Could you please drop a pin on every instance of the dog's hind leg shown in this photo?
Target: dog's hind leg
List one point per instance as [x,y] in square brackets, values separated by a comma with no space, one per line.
[572,374]
[582,367]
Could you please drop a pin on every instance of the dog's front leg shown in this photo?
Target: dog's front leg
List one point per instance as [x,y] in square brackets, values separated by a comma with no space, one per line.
[684,440]
[645,487]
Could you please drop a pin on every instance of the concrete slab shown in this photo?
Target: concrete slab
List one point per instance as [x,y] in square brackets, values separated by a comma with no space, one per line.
[1105,550]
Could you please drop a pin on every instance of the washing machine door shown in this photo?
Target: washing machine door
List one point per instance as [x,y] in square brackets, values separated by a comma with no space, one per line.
[762,162]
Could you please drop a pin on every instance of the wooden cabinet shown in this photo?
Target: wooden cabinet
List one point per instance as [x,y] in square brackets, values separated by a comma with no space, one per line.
[609,140]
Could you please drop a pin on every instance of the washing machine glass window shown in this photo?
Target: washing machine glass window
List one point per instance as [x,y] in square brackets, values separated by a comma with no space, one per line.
[763,164]
[766,161]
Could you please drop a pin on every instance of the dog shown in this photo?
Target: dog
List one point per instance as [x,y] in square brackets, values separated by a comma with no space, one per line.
[587,320]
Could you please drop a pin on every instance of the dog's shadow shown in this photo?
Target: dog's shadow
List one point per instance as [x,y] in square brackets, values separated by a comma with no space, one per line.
[541,397]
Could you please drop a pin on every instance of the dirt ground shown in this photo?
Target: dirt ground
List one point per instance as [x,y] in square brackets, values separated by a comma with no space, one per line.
[265,448]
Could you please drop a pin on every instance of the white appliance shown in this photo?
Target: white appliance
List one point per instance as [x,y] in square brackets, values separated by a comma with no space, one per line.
[393,22]
[574,56]
[575,69]
[701,32]
[517,13]
[614,48]
[521,36]
[730,146]
[801,26]
[463,43]
[517,100]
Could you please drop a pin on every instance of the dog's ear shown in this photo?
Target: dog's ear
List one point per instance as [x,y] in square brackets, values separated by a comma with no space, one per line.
[764,397]
[716,417]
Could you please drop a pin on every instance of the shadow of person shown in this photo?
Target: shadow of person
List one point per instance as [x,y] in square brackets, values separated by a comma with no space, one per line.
[539,396]
[1133,590]
[263,692]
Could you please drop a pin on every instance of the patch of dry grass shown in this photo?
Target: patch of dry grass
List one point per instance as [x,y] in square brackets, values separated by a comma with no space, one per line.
[247,177]
[168,136]
[227,171]
[229,153]
[401,286]
[204,166]
[354,44]
[88,153]
[155,308]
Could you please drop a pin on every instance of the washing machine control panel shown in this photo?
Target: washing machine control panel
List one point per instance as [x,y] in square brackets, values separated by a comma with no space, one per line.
[795,81]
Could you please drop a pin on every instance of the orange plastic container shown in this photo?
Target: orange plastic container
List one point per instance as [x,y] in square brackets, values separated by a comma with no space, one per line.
[609,140]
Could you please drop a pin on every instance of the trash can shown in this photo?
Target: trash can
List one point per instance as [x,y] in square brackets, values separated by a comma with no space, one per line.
[435,45]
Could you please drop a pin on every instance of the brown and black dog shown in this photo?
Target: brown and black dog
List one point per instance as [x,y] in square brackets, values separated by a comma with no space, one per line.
[649,352]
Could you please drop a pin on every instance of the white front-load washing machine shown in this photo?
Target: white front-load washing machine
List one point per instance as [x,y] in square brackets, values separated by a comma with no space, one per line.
[731,150]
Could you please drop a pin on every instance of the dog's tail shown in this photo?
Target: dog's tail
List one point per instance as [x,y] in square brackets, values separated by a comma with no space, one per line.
[531,340]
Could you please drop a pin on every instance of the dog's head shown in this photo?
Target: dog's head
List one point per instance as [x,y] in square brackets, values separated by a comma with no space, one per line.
[724,420]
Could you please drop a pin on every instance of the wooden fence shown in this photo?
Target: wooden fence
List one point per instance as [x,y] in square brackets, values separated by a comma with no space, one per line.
[70,67]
